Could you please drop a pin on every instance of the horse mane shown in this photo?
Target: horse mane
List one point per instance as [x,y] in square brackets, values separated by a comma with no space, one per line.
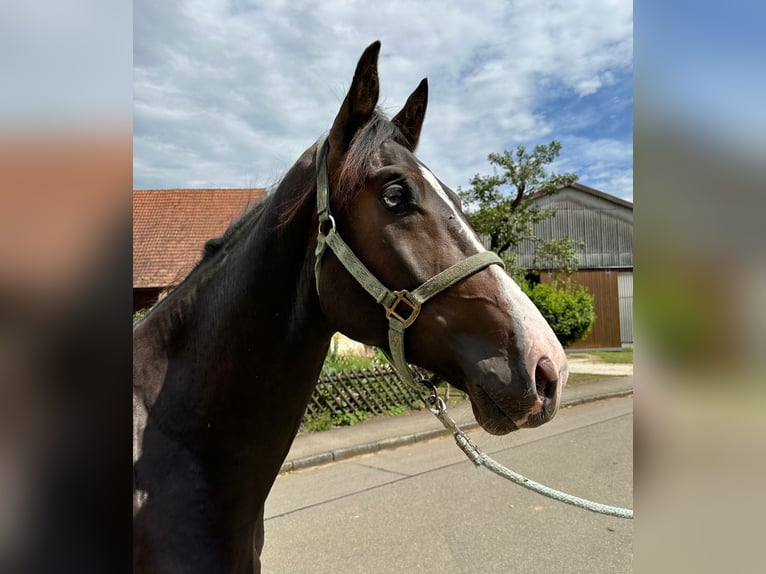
[237,229]
[179,302]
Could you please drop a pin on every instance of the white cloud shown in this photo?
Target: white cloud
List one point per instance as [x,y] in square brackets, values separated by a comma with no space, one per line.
[230,93]
[605,164]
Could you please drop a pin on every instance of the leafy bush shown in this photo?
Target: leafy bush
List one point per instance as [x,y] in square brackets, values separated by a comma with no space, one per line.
[334,363]
[568,310]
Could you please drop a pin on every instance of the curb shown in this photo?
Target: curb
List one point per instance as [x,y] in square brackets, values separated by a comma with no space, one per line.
[394,442]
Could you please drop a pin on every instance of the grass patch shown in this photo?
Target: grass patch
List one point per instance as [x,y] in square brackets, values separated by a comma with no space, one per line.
[317,423]
[623,356]
[576,378]
[325,420]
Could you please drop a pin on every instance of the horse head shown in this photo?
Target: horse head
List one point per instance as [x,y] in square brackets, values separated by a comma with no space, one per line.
[482,334]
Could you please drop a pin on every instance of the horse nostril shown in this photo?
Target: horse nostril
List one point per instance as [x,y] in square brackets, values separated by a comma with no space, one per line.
[546,379]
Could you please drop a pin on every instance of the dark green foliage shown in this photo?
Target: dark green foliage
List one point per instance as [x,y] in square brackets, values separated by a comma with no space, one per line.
[335,363]
[569,310]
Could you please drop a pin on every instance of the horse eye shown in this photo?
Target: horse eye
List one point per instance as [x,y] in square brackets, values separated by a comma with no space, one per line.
[394,197]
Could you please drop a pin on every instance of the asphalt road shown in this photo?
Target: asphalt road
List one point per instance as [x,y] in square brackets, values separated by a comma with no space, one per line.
[426,508]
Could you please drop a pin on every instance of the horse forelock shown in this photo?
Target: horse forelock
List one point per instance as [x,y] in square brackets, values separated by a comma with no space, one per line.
[354,169]
[358,161]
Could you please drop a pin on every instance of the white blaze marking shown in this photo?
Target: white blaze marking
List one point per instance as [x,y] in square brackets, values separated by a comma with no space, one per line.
[464,227]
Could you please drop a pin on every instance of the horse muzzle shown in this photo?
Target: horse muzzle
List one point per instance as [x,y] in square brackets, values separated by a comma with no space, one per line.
[505,399]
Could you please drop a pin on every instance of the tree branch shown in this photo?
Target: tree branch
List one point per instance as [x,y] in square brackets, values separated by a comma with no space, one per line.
[519,196]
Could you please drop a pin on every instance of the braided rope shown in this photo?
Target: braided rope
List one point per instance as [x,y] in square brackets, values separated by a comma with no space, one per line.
[436,405]
[564,497]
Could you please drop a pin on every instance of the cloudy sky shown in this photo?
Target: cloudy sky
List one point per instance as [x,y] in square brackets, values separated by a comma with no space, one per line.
[229,93]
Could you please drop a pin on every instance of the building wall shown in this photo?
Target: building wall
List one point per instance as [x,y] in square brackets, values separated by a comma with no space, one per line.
[605,225]
[625,289]
[602,285]
[606,230]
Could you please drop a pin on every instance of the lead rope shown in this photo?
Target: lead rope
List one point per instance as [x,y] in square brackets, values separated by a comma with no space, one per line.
[436,405]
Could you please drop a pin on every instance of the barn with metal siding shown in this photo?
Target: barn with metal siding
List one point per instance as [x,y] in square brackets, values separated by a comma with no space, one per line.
[605,224]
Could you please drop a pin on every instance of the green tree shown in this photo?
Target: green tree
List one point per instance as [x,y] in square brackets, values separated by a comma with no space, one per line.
[500,205]
[559,255]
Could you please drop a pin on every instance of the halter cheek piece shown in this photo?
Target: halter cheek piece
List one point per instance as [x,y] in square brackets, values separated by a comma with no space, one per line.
[402,307]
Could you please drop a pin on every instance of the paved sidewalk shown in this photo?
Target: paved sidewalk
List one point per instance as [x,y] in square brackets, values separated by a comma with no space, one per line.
[311,449]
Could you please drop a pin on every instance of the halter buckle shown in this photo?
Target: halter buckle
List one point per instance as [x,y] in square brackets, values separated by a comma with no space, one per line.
[403,297]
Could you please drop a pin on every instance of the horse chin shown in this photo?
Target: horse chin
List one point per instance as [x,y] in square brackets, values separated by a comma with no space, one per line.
[496,421]
[497,425]
[489,415]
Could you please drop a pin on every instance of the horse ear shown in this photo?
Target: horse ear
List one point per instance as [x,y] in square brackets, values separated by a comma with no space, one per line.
[358,106]
[410,119]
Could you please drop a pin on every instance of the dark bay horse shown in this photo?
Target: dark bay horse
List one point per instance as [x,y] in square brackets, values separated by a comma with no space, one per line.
[225,365]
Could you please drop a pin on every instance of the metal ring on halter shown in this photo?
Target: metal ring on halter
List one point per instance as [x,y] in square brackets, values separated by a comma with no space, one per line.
[329,218]
[435,403]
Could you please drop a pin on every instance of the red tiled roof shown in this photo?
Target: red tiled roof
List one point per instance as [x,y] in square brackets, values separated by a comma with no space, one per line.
[171,226]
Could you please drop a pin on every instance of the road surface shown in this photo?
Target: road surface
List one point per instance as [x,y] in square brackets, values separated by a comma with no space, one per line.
[425,508]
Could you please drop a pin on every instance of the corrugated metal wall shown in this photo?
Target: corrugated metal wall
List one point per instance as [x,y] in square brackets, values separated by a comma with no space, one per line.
[625,292]
[606,230]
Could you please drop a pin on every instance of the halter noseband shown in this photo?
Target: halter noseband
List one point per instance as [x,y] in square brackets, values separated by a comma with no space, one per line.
[402,307]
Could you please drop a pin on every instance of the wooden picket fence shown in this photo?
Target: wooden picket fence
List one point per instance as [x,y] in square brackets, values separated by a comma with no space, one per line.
[353,394]
[374,390]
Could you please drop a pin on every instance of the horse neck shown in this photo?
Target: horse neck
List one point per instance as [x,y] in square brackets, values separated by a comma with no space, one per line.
[275,306]
[224,368]
[245,333]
